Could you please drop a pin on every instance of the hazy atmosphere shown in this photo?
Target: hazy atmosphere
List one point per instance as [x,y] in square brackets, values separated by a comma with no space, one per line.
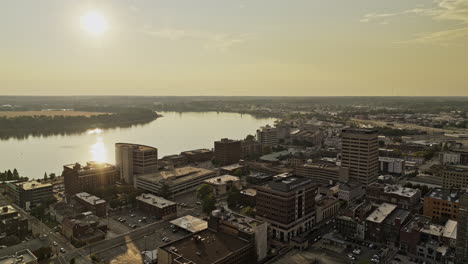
[245,47]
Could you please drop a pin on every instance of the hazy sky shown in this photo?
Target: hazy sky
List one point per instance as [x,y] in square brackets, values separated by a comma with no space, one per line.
[235,47]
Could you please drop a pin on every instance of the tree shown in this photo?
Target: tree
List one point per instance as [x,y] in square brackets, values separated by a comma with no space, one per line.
[250,137]
[238,172]
[45,176]
[15,173]
[114,203]
[203,191]
[72,261]
[233,197]
[52,176]
[248,211]
[208,203]
[165,191]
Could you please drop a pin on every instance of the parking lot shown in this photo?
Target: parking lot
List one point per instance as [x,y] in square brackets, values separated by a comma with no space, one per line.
[125,220]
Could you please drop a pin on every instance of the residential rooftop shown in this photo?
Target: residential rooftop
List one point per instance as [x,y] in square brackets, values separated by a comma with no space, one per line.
[91,199]
[177,175]
[382,212]
[190,223]
[154,200]
[221,180]
[204,247]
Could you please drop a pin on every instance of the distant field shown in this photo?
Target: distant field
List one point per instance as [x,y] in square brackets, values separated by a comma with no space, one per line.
[10,114]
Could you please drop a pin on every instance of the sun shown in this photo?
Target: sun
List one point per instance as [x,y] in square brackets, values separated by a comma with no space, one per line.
[94,23]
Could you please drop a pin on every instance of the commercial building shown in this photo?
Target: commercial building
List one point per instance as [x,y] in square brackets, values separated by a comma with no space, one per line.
[462,232]
[324,174]
[267,136]
[350,191]
[157,206]
[178,180]
[394,166]
[92,203]
[227,151]
[198,155]
[288,205]
[30,194]
[385,222]
[83,229]
[454,176]
[406,198]
[442,204]
[234,169]
[248,197]
[425,241]
[360,153]
[352,223]
[251,148]
[134,159]
[12,223]
[78,178]
[21,257]
[454,157]
[175,160]
[326,208]
[190,224]
[255,231]
[224,184]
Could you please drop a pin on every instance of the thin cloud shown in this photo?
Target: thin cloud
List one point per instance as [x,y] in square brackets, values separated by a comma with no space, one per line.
[218,41]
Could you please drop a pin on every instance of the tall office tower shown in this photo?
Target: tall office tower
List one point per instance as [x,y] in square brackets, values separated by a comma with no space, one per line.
[267,135]
[360,153]
[133,160]
[462,232]
[227,151]
[288,204]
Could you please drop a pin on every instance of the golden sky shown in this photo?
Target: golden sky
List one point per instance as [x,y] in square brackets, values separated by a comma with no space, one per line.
[235,47]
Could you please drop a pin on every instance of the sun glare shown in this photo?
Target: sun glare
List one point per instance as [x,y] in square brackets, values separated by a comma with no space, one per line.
[94,23]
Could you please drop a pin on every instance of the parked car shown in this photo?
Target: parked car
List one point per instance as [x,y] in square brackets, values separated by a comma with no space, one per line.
[55,244]
[62,250]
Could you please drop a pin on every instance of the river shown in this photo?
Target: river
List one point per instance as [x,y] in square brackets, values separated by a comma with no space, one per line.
[171,134]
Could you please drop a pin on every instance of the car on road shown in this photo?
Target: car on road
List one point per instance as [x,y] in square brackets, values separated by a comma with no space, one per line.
[198,203]
[351,256]
[62,250]
[132,215]
[2,246]
[357,252]
[55,244]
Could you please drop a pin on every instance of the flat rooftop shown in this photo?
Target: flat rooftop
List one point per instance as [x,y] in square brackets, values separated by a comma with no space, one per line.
[204,247]
[91,199]
[450,229]
[23,256]
[220,180]
[382,212]
[136,146]
[289,183]
[233,167]
[249,191]
[396,189]
[190,223]
[154,200]
[90,166]
[31,185]
[417,223]
[359,131]
[242,222]
[7,209]
[195,151]
[444,194]
[178,175]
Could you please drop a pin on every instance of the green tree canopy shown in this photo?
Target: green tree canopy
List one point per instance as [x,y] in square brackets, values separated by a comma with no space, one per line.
[209,203]
[203,191]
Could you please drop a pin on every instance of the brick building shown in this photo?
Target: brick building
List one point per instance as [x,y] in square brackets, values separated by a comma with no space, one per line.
[157,206]
[78,178]
[227,151]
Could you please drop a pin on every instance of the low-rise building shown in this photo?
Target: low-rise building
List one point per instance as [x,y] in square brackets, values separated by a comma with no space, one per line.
[175,160]
[259,178]
[406,198]
[83,229]
[442,204]
[248,197]
[352,224]
[178,180]
[385,222]
[350,191]
[325,208]
[321,173]
[157,206]
[454,176]
[190,224]
[92,203]
[198,155]
[12,223]
[394,166]
[31,193]
[234,169]
[224,184]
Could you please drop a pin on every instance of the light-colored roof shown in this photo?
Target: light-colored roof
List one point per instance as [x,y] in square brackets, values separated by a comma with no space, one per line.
[26,257]
[190,223]
[379,214]
[249,191]
[30,185]
[222,179]
[178,175]
[154,200]
[91,199]
[432,229]
[450,229]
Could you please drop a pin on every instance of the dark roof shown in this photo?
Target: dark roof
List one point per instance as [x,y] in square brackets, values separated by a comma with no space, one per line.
[359,131]
[289,183]
[205,247]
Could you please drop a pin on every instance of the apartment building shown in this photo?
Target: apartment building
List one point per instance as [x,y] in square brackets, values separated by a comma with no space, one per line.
[267,136]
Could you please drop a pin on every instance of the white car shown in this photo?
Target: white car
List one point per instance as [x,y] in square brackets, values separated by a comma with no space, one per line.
[55,244]
[62,250]
[357,251]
